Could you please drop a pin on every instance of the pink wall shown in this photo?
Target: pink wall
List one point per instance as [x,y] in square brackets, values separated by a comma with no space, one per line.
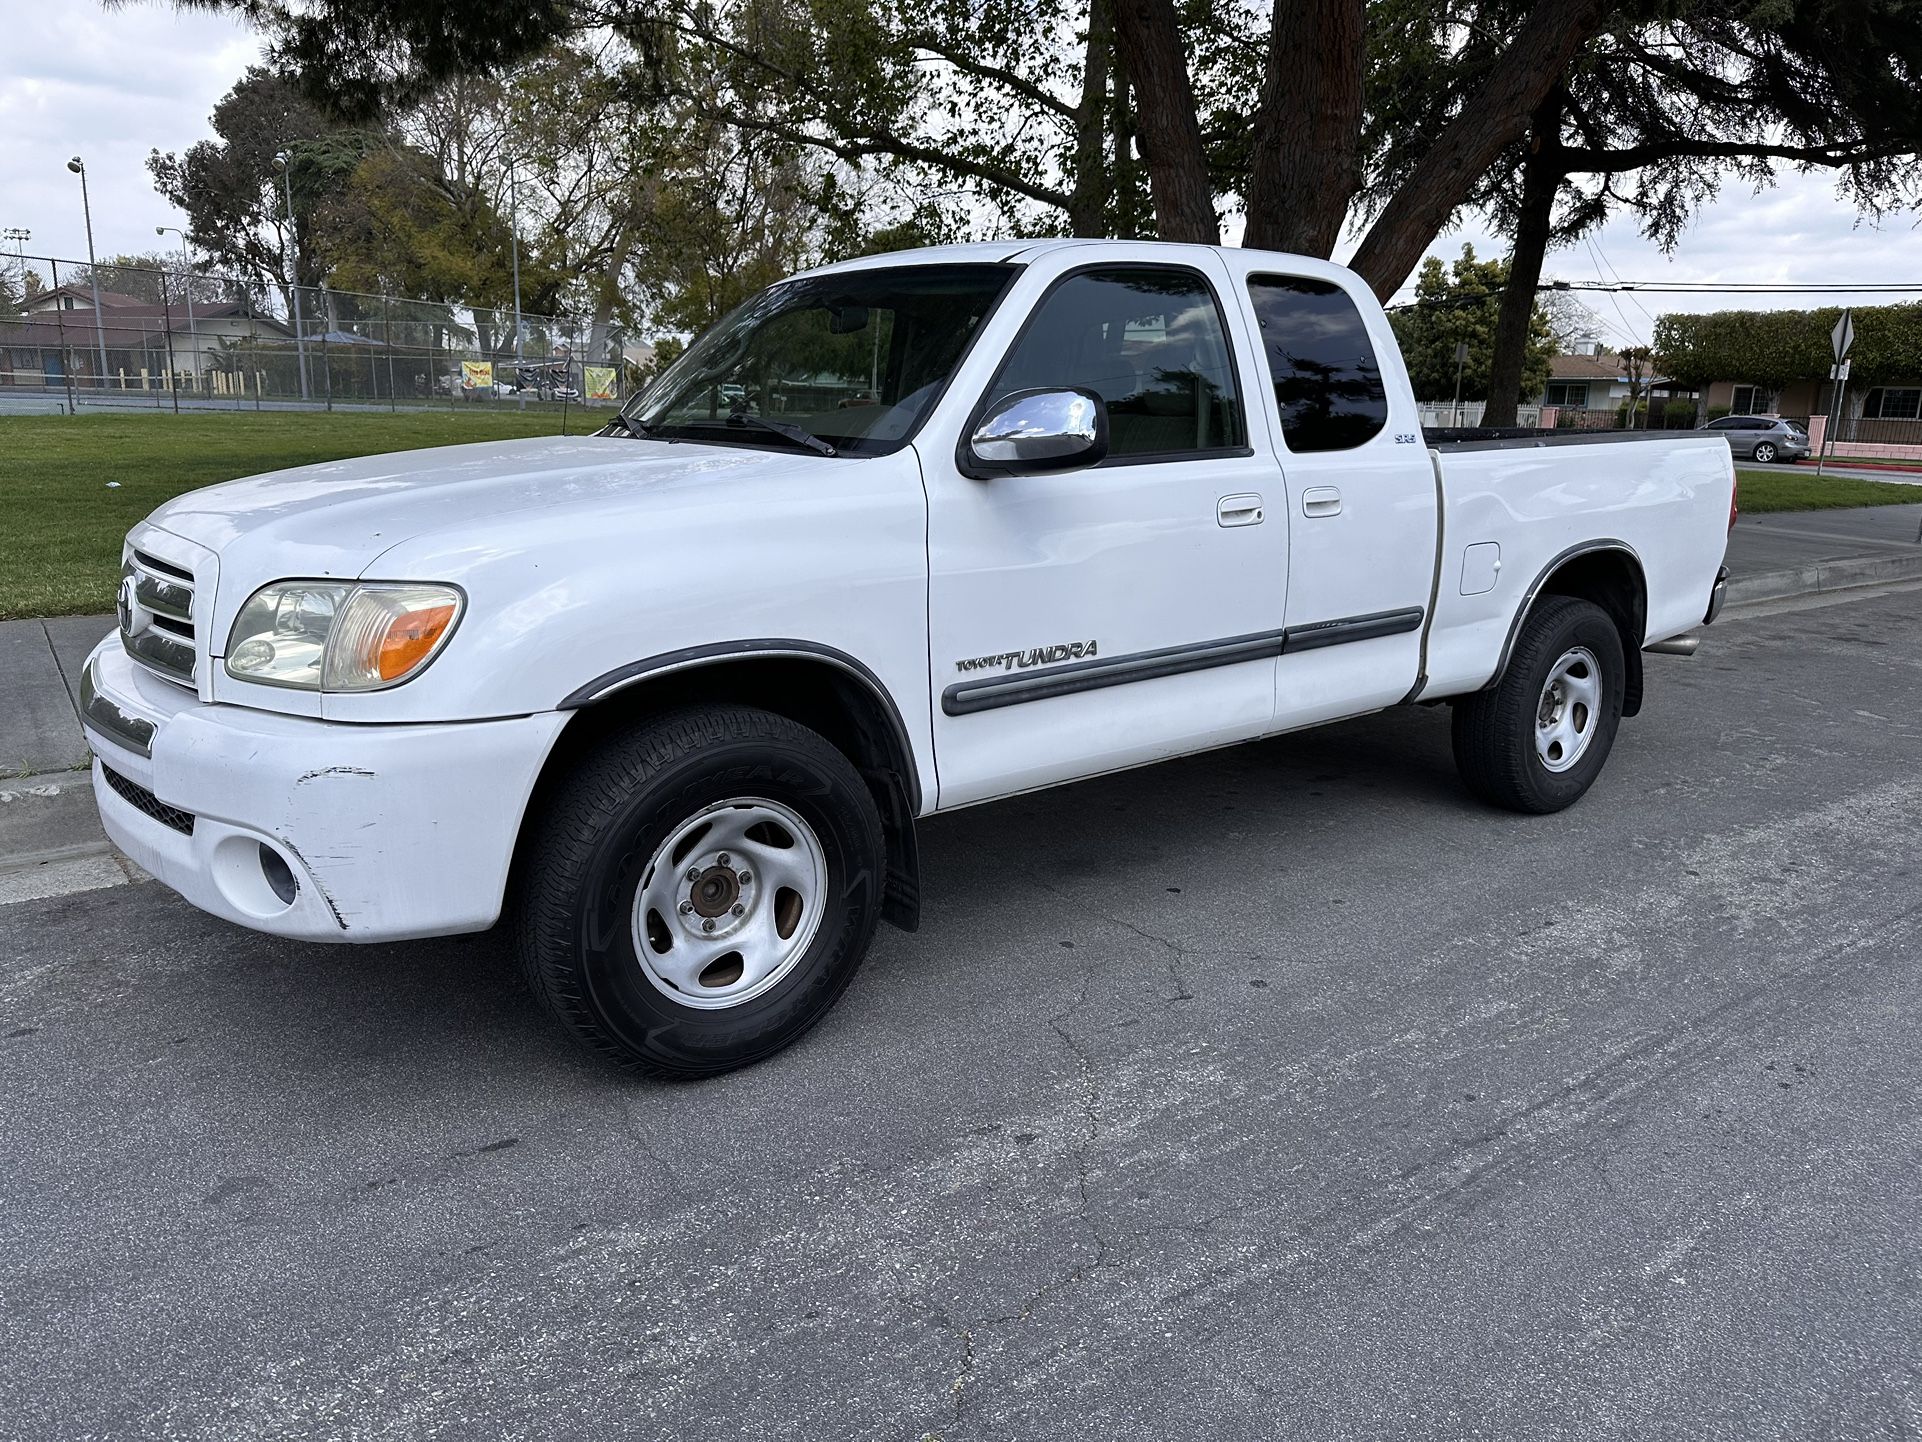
[1865,450]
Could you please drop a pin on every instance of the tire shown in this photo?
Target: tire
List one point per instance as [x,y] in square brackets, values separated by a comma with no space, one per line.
[610,916]
[1575,644]
[1763,452]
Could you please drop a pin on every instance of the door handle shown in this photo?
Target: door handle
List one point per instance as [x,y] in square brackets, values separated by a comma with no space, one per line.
[1242,510]
[1321,501]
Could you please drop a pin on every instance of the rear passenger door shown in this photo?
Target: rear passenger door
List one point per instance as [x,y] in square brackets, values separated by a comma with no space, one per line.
[1359,485]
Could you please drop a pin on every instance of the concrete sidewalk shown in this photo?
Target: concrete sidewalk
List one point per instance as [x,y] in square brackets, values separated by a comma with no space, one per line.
[50,838]
[1788,553]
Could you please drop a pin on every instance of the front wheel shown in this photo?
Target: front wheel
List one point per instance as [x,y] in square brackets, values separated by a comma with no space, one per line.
[1764,452]
[1537,739]
[700,892]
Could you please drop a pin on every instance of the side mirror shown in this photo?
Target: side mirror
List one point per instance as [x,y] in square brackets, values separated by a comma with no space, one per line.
[1039,430]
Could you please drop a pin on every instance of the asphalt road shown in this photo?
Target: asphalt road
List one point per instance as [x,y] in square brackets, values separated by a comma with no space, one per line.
[1282,1093]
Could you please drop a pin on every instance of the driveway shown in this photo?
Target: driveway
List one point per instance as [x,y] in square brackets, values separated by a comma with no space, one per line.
[1281,1093]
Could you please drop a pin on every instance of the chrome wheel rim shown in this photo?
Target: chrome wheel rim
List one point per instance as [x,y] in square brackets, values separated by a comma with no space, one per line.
[1571,702]
[1765,453]
[729,903]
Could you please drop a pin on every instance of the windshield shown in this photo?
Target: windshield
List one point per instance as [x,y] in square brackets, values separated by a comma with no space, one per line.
[855,359]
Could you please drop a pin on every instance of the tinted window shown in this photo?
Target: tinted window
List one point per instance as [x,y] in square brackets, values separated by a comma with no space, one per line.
[1328,385]
[1150,343]
[1725,424]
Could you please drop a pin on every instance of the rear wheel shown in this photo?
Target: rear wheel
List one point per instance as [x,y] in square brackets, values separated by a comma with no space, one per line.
[1537,739]
[701,891]
[1764,452]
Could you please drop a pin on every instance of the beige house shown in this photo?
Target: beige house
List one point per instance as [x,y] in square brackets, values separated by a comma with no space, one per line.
[1592,378]
[54,337]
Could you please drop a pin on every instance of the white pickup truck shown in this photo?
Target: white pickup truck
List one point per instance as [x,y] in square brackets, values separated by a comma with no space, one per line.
[896,536]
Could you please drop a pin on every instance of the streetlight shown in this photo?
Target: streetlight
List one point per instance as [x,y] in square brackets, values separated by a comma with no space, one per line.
[186,280]
[19,235]
[93,267]
[283,162]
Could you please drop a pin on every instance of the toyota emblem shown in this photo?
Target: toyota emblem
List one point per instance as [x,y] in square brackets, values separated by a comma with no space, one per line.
[129,616]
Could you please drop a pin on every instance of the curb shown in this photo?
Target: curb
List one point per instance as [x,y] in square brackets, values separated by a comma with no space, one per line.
[1838,575]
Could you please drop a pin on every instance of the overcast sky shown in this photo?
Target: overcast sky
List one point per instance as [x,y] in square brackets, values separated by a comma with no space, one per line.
[112,85]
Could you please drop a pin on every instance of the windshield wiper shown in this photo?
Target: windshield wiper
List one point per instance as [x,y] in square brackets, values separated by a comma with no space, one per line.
[640,430]
[793,433]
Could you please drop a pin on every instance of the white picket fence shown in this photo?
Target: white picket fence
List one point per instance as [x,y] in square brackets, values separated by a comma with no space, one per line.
[1441,415]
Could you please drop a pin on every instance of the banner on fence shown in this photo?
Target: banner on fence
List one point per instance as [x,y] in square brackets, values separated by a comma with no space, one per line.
[600,382]
[476,375]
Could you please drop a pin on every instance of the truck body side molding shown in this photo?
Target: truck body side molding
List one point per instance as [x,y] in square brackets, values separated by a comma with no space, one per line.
[966,697]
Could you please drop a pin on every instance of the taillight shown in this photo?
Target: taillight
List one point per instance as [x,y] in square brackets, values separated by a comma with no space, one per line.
[1734,492]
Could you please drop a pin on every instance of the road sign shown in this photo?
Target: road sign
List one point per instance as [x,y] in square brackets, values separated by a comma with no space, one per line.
[1461,352]
[1843,336]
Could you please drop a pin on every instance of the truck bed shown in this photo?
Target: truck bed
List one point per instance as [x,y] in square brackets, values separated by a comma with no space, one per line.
[1516,507]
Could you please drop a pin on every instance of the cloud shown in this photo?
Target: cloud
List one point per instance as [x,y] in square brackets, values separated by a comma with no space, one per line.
[1798,232]
[77,79]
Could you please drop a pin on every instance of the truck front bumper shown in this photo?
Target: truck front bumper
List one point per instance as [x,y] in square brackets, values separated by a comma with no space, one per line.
[304,828]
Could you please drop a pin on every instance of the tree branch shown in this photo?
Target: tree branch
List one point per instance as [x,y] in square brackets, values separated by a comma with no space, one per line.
[1635,157]
[994,74]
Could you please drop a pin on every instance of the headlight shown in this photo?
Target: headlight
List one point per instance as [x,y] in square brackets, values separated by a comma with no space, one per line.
[339,635]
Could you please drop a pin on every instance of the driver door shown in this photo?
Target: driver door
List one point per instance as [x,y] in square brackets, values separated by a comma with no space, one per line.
[1088,620]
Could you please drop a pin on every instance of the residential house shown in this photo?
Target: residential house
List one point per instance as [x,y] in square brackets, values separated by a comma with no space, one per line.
[54,337]
[1592,378]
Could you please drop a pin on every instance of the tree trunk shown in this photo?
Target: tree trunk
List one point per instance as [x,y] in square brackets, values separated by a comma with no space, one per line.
[1494,118]
[1088,202]
[1128,207]
[1541,179]
[1307,130]
[607,292]
[1148,33]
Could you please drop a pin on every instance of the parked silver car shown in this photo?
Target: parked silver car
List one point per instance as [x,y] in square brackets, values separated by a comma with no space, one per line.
[1762,438]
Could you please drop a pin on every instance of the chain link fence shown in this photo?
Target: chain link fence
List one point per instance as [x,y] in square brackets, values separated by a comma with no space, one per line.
[191,340]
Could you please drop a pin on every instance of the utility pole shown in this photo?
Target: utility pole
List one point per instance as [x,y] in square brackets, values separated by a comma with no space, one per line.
[1461,360]
[514,242]
[187,285]
[93,267]
[284,162]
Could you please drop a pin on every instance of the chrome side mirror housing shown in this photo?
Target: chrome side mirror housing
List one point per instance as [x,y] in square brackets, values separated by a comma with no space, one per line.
[1038,430]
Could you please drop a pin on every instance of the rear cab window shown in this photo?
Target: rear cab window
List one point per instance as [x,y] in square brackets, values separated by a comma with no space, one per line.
[1328,382]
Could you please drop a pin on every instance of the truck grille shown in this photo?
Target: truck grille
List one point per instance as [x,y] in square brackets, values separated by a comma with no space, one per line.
[143,800]
[155,608]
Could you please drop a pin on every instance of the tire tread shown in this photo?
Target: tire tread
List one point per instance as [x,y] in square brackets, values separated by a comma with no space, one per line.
[1493,730]
[570,826]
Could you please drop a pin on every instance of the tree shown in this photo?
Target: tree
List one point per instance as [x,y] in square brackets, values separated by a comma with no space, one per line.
[154,276]
[1396,113]
[229,187]
[1455,304]
[1652,117]
[1635,369]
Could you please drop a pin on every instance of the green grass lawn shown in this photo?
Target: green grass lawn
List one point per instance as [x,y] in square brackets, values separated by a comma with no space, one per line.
[62,528]
[1805,491]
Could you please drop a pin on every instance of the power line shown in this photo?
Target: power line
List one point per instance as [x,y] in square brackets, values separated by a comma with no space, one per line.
[1613,296]
[1664,287]
[1597,247]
